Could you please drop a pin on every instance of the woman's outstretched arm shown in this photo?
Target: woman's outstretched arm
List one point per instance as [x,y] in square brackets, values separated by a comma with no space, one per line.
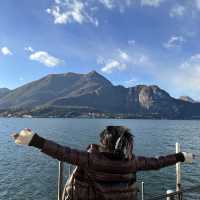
[156,163]
[62,153]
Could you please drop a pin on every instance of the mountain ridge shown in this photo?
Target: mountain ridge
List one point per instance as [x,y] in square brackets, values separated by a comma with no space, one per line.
[188,99]
[4,92]
[92,92]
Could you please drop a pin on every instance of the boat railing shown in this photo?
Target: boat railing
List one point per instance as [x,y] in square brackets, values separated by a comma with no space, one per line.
[170,194]
[178,195]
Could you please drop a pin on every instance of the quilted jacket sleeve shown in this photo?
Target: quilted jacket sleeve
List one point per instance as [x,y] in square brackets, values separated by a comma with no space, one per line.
[62,153]
[155,163]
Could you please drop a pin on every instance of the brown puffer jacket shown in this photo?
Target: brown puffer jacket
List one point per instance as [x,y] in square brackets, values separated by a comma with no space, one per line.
[99,175]
[90,184]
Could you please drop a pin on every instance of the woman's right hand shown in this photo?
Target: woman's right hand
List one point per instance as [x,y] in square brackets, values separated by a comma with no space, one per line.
[24,137]
[189,157]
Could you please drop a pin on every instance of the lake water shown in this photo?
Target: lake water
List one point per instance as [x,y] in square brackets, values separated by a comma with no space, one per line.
[27,174]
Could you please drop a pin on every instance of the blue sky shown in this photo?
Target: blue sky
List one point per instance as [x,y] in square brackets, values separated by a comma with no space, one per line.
[130,42]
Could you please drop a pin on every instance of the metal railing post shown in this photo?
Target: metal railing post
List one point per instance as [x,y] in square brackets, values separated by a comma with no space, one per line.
[60,179]
[142,190]
[178,174]
[168,193]
[69,171]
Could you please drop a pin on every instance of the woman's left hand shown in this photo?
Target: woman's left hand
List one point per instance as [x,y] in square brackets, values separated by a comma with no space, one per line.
[24,137]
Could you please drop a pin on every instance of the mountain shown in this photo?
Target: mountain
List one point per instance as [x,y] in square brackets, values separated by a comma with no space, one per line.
[52,87]
[4,92]
[188,99]
[61,94]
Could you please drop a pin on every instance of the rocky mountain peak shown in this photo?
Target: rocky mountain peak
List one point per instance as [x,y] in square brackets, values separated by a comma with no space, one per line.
[147,95]
[93,73]
[94,76]
[187,98]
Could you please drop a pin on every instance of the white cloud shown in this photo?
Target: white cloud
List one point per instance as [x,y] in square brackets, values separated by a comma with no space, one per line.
[195,58]
[152,3]
[82,11]
[187,78]
[6,51]
[131,82]
[112,65]
[174,41]
[107,3]
[69,11]
[58,1]
[123,55]
[177,11]
[29,49]
[100,60]
[197,2]
[118,4]
[121,60]
[143,59]
[46,59]
[193,62]
[131,42]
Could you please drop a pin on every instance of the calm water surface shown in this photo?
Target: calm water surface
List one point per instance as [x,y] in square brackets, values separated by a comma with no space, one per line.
[27,174]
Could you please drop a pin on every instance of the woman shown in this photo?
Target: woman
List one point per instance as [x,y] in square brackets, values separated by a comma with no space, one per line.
[105,171]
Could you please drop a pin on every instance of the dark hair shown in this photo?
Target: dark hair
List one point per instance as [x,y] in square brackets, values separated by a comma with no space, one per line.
[118,140]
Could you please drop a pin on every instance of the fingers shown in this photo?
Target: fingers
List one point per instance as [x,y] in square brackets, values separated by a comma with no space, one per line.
[15,136]
[28,129]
